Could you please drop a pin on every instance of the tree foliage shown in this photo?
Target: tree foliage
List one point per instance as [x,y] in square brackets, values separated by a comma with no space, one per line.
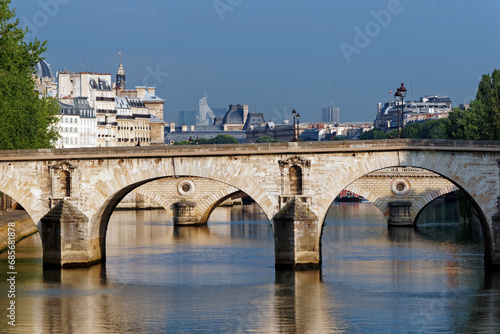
[26,119]
[482,120]
[376,133]
[266,139]
[430,129]
[220,139]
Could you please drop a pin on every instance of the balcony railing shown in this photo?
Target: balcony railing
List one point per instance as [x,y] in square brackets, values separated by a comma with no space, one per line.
[106,111]
[142,116]
[103,98]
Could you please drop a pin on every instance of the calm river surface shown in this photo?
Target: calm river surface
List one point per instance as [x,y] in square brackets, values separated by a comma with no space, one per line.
[221,278]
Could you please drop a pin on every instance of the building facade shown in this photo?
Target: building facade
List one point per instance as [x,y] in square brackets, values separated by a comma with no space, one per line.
[121,117]
[330,114]
[77,124]
[430,106]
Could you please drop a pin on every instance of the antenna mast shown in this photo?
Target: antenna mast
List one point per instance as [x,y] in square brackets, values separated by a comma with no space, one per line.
[411,90]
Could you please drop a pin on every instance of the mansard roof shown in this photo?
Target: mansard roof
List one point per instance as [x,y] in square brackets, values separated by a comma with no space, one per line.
[152,97]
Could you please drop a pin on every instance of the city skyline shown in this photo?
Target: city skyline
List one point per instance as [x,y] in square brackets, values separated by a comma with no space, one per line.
[274,55]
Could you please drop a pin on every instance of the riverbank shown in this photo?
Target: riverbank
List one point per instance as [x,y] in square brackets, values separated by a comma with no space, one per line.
[24,227]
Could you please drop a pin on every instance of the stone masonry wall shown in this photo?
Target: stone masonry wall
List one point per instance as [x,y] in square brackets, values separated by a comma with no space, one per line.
[170,190]
[415,185]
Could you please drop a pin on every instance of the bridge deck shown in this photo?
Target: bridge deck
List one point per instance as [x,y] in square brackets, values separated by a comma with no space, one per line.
[252,149]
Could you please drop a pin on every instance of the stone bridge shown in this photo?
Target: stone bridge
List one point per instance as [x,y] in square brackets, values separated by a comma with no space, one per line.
[71,193]
[204,194]
[415,186]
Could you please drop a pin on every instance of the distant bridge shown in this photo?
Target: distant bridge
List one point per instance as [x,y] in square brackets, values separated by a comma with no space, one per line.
[71,193]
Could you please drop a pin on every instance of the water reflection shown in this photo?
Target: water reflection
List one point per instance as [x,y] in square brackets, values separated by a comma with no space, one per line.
[221,278]
[400,235]
[196,234]
[301,304]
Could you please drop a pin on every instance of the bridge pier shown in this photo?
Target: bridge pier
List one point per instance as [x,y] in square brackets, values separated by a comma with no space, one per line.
[184,214]
[296,237]
[64,231]
[400,214]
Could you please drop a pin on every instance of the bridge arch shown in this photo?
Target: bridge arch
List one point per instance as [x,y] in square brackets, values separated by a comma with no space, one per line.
[24,196]
[156,197]
[208,206]
[420,206]
[470,184]
[100,177]
[417,186]
[163,192]
[112,188]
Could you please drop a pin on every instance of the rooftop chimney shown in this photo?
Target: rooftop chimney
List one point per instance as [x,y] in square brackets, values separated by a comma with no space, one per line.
[141,92]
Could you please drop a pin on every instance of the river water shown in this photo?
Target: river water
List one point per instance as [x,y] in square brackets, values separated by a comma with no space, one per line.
[221,278]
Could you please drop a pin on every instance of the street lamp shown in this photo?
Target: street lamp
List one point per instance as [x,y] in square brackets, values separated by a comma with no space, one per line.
[397,97]
[298,130]
[401,93]
[294,113]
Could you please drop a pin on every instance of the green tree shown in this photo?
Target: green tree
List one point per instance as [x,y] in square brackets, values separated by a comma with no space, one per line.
[183,142]
[27,120]
[430,129]
[223,139]
[266,139]
[375,133]
[220,139]
[482,119]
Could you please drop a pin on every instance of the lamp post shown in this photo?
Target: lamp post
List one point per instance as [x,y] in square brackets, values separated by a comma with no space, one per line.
[400,95]
[298,131]
[397,97]
[294,113]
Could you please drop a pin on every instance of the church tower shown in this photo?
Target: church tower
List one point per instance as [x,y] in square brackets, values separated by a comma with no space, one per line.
[120,76]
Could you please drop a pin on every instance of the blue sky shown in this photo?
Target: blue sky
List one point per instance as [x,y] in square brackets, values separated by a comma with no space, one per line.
[275,54]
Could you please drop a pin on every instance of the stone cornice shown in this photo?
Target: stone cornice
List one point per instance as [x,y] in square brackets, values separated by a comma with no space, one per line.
[252,149]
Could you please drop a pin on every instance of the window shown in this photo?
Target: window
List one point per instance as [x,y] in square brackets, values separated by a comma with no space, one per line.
[64,183]
[295,175]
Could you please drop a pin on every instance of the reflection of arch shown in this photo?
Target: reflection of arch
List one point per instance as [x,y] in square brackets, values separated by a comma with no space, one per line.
[470,183]
[119,181]
[101,219]
[295,176]
[417,206]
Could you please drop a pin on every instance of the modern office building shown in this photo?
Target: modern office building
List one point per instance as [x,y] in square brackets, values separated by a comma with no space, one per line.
[330,114]
[187,117]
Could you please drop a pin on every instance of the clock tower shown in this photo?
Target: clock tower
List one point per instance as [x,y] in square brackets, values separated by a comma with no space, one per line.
[120,76]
